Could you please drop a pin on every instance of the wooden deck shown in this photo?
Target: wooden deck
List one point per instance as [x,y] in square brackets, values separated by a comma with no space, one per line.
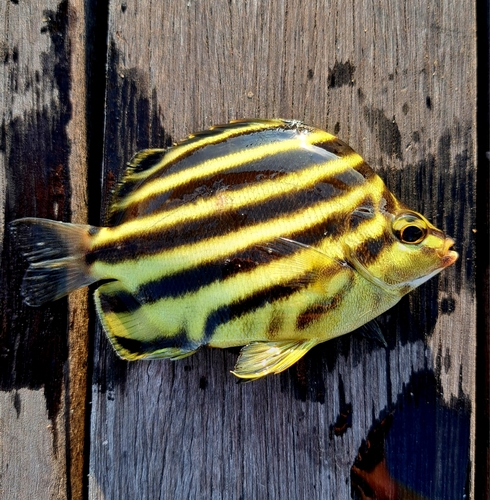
[83,85]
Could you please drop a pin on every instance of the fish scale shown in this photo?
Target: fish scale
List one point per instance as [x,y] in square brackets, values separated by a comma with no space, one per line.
[267,234]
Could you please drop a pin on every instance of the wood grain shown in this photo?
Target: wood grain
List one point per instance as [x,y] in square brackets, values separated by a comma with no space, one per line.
[42,170]
[397,81]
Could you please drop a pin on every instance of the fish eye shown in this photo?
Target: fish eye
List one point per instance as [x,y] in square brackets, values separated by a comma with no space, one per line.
[411,234]
[410,229]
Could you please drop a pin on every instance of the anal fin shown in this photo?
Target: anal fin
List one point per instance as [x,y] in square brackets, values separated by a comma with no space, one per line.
[259,359]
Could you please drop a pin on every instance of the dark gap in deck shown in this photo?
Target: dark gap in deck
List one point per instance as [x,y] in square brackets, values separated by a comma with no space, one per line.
[97,18]
[482,440]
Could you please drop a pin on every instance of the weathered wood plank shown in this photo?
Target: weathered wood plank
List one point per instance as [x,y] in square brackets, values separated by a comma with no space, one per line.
[43,377]
[397,81]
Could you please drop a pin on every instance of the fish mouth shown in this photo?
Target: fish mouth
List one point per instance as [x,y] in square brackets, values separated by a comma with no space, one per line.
[448,256]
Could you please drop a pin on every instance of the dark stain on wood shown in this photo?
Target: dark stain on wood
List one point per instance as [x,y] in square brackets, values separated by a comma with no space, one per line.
[203,383]
[33,346]
[306,377]
[385,130]
[446,360]
[8,56]
[341,74]
[17,403]
[344,419]
[57,28]
[111,371]
[448,305]
[134,116]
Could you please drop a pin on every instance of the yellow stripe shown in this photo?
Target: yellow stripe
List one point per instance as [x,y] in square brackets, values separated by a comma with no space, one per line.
[220,164]
[183,148]
[227,201]
[178,259]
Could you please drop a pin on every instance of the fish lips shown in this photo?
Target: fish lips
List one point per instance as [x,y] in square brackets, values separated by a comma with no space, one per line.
[448,256]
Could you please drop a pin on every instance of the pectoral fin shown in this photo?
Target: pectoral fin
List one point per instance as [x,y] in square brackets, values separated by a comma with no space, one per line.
[372,330]
[259,359]
[310,264]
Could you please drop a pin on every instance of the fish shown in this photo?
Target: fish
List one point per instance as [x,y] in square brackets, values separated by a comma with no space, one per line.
[267,234]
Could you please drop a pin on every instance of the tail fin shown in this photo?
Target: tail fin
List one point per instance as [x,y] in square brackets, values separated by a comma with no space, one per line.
[56,255]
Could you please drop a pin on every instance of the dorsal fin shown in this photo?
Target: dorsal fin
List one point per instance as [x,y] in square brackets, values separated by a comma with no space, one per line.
[143,161]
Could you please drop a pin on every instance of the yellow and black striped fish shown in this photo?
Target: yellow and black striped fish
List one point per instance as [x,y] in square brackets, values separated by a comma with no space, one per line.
[264,233]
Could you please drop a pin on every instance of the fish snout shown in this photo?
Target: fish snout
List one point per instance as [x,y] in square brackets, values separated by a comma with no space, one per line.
[447,255]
